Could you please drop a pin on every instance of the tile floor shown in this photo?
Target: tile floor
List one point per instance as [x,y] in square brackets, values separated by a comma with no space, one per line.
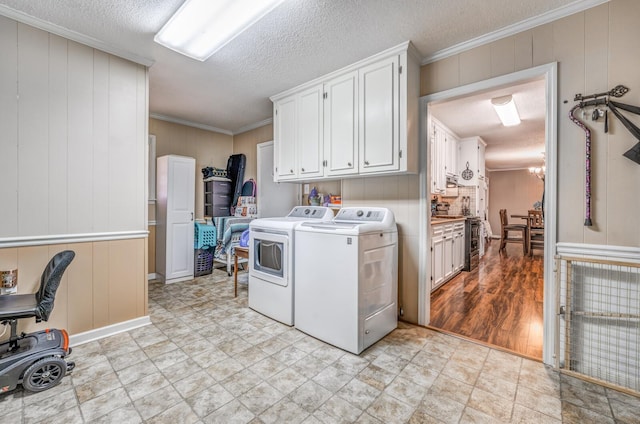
[207,358]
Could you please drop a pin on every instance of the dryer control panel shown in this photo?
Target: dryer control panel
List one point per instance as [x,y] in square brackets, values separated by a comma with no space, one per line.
[311,212]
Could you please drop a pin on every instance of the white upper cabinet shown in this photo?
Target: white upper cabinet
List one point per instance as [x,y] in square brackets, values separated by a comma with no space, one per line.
[444,154]
[379,102]
[310,133]
[298,126]
[341,125]
[285,130]
[451,154]
[471,161]
[367,121]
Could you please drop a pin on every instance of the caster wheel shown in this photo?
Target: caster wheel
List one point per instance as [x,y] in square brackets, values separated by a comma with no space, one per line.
[44,374]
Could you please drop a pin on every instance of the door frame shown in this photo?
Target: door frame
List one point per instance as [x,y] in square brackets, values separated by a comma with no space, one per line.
[550,74]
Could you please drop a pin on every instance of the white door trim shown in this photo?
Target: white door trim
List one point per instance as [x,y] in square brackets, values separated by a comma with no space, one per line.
[549,73]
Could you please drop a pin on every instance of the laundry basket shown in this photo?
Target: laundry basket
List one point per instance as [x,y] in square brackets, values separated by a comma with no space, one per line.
[203,262]
[204,236]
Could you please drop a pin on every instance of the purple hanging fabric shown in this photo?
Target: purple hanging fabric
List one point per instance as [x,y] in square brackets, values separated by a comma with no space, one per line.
[587,131]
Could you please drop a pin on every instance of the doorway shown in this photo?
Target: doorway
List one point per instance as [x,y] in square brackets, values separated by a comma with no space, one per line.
[546,76]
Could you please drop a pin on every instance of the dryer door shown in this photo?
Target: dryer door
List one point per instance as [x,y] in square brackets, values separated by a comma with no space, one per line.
[269,257]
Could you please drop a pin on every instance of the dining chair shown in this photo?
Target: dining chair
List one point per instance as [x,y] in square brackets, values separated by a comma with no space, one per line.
[535,224]
[506,229]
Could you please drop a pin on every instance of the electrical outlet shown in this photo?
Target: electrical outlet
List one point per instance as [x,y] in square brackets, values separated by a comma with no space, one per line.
[305,188]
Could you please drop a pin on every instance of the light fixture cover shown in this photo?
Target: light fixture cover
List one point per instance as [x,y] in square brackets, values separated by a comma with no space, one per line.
[201,27]
[506,109]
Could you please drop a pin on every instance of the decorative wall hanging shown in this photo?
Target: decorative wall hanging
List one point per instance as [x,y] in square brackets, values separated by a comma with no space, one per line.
[603,99]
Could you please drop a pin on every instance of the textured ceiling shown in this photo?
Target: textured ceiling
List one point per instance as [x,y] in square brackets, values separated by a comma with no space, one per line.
[520,146]
[298,41]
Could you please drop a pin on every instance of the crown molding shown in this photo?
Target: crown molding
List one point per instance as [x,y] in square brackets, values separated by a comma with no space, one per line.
[509,30]
[72,35]
[189,123]
[253,126]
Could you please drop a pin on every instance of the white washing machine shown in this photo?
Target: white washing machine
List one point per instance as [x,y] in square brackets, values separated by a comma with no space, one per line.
[347,278]
[272,262]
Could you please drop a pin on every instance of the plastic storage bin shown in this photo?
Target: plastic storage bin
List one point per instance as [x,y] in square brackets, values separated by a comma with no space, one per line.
[203,262]
[204,236]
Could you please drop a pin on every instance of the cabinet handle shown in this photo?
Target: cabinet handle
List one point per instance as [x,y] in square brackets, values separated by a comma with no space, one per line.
[366,162]
[291,171]
[348,163]
[302,169]
[192,216]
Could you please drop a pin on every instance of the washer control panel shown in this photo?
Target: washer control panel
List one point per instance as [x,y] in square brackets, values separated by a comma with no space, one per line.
[361,214]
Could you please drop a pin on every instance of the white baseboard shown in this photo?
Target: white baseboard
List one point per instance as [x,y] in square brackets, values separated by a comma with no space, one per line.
[109,330]
[152,276]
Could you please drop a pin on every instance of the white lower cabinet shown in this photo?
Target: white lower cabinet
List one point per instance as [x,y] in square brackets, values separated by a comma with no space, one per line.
[447,252]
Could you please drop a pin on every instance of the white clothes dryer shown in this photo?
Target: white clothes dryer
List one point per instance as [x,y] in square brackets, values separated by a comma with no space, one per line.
[272,261]
[347,278]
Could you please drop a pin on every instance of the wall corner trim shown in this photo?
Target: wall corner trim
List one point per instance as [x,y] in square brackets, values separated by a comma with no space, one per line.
[253,126]
[24,18]
[509,30]
[43,240]
[189,123]
[109,330]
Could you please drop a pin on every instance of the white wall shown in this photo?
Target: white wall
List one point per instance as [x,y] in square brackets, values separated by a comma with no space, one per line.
[73,124]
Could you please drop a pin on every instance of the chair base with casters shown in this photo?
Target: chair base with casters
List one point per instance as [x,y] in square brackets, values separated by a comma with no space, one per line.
[35,360]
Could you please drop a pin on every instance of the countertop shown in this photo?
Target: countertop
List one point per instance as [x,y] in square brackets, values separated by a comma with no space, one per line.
[435,220]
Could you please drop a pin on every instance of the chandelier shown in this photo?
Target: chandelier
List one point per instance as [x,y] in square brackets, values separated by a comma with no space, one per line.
[537,171]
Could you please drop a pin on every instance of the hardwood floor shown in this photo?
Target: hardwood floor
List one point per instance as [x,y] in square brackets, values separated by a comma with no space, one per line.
[499,303]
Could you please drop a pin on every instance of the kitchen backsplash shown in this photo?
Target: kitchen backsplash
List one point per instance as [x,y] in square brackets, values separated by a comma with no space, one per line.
[455,203]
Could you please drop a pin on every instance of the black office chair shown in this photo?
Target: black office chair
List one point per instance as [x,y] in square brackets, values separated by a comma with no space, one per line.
[36,305]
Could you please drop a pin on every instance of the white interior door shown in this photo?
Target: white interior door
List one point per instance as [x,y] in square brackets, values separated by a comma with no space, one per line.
[273,199]
[180,209]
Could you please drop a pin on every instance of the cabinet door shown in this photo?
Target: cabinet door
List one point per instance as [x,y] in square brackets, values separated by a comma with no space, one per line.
[447,257]
[437,256]
[481,164]
[379,110]
[451,154]
[340,125]
[438,176]
[310,133]
[285,127]
[179,186]
[458,250]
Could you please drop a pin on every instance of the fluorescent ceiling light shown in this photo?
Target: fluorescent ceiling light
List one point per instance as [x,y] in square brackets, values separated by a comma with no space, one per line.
[506,109]
[201,27]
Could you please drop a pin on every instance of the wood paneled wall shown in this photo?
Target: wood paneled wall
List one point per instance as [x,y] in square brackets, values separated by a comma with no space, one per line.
[207,147]
[73,149]
[402,196]
[595,50]
[247,143]
[102,286]
[516,191]
[72,121]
